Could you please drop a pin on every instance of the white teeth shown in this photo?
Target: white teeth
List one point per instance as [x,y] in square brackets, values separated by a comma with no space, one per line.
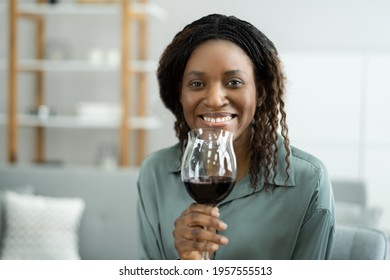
[217,120]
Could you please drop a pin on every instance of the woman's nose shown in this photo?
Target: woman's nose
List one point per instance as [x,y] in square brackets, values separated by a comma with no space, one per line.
[215,96]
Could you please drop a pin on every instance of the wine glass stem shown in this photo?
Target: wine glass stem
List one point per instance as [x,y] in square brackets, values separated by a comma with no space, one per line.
[205,253]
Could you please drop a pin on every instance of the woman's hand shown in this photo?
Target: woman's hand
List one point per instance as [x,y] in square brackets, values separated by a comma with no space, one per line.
[191,237]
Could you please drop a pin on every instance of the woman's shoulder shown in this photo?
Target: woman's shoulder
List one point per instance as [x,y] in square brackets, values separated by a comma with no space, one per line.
[312,172]
[309,168]
[303,160]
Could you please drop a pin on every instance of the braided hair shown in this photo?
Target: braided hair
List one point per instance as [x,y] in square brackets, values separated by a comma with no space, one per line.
[269,78]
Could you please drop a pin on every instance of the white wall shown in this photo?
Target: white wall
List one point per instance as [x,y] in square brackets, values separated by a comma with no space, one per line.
[336,55]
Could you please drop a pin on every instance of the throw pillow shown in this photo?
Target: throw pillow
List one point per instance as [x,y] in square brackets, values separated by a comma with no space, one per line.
[41,228]
[27,189]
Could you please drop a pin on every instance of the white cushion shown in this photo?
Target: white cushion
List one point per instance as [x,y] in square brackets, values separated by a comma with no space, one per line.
[39,227]
[26,189]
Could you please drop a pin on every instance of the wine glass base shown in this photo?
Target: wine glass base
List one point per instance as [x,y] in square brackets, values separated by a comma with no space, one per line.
[205,255]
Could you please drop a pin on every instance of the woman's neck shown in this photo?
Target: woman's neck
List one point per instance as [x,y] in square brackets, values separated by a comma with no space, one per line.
[243,160]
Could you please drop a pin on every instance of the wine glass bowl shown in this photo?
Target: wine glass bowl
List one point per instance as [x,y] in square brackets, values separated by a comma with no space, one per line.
[209,168]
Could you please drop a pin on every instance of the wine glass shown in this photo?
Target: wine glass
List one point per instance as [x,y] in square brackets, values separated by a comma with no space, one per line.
[209,168]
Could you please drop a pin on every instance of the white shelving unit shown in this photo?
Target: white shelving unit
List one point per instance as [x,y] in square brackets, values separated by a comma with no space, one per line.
[137,67]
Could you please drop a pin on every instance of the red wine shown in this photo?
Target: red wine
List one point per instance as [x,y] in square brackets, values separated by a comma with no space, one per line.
[210,190]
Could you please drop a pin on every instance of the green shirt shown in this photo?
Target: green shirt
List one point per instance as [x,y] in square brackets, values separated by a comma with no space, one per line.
[286,222]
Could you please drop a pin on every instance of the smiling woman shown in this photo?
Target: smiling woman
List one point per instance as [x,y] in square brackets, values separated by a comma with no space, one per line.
[222,72]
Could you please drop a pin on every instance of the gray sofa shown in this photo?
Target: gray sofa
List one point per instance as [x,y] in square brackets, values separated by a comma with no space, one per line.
[107,227]
[108,223]
[353,242]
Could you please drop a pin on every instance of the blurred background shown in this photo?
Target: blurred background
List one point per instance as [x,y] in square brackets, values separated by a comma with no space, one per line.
[336,56]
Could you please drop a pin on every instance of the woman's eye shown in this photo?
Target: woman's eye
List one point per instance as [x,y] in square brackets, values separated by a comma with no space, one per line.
[196,84]
[234,83]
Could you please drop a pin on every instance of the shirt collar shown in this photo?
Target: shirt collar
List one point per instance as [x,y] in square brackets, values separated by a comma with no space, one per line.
[175,165]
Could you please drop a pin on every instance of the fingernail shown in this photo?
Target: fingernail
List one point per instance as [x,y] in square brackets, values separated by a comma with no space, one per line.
[224,240]
[215,212]
[222,225]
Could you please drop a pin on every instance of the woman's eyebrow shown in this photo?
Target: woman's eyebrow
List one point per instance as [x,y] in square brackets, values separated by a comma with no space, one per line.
[234,71]
[226,73]
[195,73]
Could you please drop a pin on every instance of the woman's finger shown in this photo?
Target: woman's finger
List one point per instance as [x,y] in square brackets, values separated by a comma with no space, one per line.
[202,208]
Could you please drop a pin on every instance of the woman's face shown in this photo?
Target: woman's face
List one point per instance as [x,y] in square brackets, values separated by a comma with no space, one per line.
[219,89]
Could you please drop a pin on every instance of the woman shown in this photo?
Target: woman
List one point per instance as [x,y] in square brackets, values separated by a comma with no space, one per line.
[223,72]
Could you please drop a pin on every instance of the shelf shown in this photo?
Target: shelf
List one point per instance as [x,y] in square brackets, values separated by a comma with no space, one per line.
[68,9]
[80,65]
[90,9]
[76,122]
[65,65]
